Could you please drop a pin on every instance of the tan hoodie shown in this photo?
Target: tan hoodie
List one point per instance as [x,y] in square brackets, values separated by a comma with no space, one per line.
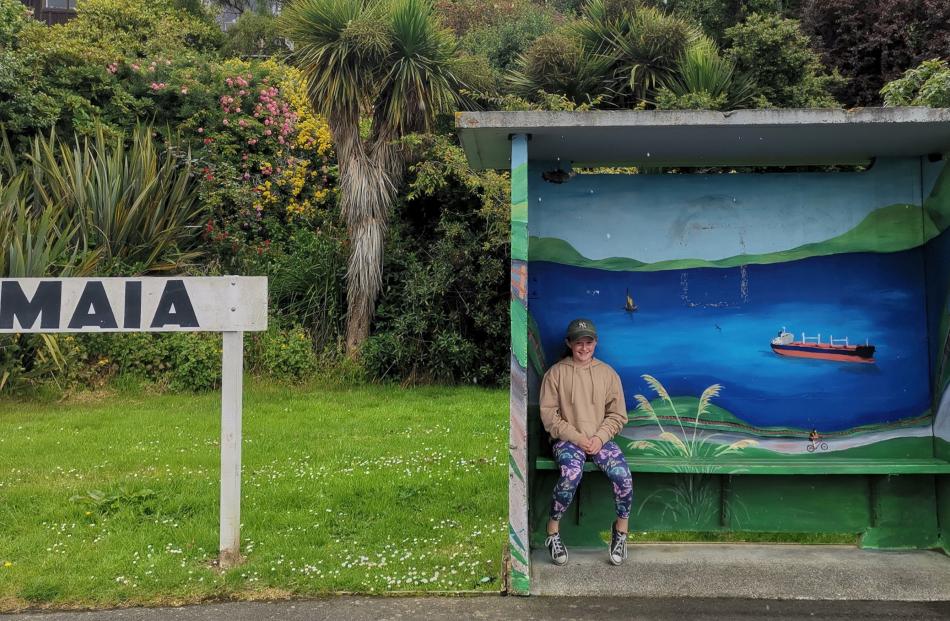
[579,402]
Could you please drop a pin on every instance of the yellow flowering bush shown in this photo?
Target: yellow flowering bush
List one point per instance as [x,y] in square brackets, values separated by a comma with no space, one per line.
[270,158]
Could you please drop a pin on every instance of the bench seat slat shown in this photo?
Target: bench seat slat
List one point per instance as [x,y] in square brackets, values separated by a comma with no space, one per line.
[775,466]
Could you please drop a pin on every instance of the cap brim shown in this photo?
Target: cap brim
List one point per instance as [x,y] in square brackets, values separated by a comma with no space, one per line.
[581,334]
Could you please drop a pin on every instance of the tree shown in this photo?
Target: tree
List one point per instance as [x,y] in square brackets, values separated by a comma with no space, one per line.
[873,41]
[777,56]
[388,66]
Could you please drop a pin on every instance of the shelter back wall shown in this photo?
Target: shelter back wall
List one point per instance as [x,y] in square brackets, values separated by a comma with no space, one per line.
[717,265]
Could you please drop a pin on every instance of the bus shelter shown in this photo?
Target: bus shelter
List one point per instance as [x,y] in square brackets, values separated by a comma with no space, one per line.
[772,286]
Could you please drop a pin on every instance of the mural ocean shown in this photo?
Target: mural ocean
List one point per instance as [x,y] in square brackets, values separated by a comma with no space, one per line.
[774,330]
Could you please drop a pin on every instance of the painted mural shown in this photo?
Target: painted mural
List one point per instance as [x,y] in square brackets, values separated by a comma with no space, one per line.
[768,316]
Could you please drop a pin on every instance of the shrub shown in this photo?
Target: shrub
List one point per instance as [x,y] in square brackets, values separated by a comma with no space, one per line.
[28,361]
[642,45]
[925,85]
[195,360]
[62,75]
[556,63]
[179,360]
[715,16]
[268,159]
[283,354]
[24,104]
[501,42]
[443,312]
[777,57]
[99,202]
[705,80]
[619,53]
[306,280]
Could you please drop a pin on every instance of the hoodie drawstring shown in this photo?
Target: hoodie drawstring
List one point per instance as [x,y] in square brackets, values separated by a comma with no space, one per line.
[590,373]
[573,379]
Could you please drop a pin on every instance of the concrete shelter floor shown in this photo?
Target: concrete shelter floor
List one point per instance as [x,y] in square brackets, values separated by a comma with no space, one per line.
[754,571]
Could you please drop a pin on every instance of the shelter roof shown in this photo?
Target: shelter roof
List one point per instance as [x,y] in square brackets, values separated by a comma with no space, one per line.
[782,137]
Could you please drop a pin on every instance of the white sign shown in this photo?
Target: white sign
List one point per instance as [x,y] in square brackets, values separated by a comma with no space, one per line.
[231,305]
[149,304]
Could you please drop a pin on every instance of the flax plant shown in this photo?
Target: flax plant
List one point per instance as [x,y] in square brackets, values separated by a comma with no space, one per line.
[702,70]
[378,71]
[87,207]
[134,205]
[640,43]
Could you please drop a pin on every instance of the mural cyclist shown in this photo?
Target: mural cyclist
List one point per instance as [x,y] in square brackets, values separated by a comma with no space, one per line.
[582,409]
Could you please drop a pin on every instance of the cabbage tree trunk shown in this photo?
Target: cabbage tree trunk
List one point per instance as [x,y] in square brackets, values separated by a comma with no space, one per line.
[369,175]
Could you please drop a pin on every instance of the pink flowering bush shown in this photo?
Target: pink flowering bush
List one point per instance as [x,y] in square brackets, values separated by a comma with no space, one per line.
[265,160]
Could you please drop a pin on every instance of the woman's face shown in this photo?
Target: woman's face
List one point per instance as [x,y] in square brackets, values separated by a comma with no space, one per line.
[582,350]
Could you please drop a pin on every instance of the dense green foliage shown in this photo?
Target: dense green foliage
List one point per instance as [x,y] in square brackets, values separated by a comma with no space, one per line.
[254,35]
[925,85]
[705,80]
[229,136]
[62,76]
[777,57]
[443,315]
[715,16]
[501,36]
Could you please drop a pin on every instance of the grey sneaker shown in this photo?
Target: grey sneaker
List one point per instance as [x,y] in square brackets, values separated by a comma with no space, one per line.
[618,546]
[556,547]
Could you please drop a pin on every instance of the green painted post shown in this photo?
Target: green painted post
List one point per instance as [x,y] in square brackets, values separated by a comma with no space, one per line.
[519,582]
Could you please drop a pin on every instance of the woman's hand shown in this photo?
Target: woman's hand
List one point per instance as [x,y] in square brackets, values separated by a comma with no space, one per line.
[594,444]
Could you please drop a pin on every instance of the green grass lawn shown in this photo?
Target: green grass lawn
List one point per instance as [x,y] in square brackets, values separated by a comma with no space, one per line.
[371,489]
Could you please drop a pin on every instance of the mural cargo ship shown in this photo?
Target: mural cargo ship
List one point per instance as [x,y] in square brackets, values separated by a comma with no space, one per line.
[811,347]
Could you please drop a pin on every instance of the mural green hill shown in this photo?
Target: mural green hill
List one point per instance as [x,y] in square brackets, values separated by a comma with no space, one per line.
[720,419]
[888,229]
[937,204]
[891,449]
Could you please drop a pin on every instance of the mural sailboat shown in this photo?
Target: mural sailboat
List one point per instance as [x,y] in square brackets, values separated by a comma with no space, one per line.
[629,306]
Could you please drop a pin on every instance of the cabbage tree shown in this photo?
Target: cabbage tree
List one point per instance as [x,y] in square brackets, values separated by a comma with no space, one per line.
[377,70]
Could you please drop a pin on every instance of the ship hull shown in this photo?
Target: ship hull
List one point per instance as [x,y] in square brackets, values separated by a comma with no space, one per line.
[863,354]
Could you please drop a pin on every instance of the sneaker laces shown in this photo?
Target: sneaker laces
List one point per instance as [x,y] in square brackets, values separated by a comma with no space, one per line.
[557,546]
[619,543]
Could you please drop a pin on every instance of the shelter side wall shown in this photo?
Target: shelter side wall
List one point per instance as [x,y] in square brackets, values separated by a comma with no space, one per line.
[518,582]
[936,179]
[937,255]
[763,316]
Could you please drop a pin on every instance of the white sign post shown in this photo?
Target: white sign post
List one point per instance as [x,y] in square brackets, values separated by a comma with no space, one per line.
[231,305]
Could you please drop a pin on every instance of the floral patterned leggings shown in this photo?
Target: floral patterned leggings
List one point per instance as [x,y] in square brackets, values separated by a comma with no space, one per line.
[610,459]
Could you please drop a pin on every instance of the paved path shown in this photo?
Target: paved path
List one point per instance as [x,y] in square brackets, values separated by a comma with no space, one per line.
[749,571]
[521,608]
